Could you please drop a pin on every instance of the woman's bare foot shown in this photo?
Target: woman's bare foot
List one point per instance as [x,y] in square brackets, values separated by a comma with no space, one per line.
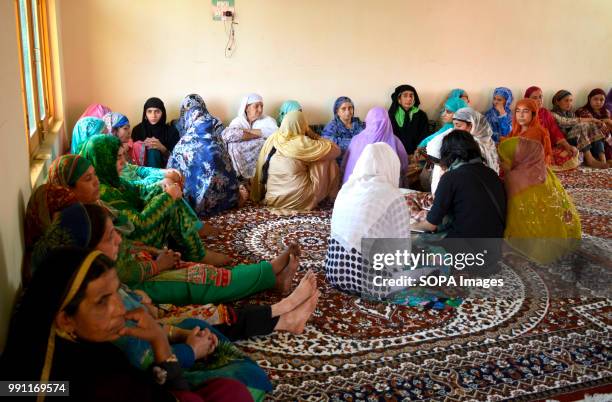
[208,230]
[216,259]
[280,262]
[592,162]
[285,277]
[295,321]
[243,195]
[305,289]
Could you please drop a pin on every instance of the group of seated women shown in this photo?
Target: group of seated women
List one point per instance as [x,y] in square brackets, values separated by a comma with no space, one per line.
[118,272]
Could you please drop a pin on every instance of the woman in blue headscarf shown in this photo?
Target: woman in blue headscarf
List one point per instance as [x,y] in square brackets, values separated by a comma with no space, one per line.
[83,130]
[286,107]
[459,93]
[211,184]
[344,126]
[450,107]
[500,114]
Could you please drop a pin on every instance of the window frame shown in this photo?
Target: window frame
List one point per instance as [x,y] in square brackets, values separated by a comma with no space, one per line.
[43,125]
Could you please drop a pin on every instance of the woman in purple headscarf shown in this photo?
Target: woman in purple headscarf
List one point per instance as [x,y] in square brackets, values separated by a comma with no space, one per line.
[378,129]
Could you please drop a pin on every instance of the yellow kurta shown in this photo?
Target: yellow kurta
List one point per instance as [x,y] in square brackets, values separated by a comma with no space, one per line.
[293,184]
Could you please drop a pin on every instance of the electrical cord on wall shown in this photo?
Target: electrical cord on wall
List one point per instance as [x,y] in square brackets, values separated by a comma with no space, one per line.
[230,46]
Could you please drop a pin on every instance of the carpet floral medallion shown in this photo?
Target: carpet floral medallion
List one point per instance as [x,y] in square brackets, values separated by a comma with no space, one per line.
[529,342]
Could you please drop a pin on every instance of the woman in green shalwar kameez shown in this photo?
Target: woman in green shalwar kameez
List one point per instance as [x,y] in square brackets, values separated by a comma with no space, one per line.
[166,279]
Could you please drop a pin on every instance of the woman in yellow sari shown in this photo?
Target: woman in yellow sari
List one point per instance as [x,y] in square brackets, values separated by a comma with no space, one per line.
[296,168]
[542,222]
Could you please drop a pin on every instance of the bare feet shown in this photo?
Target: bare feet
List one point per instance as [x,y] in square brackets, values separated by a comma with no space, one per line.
[295,321]
[280,262]
[243,195]
[216,259]
[305,289]
[209,230]
[285,277]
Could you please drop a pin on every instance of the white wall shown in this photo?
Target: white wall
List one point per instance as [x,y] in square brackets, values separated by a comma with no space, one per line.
[14,165]
[120,53]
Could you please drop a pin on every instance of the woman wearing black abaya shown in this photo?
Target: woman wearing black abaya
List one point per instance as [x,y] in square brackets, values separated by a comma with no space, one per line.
[159,138]
[410,124]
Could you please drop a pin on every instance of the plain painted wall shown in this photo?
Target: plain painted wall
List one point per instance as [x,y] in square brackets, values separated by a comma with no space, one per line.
[120,53]
[14,165]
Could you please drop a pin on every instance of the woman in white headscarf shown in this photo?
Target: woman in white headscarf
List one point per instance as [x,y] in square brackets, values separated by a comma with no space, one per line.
[469,120]
[247,133]
[369,205]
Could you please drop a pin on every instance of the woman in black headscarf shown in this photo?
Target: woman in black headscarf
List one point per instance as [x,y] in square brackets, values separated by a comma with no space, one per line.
[410,124]
[64,329]
[159,137]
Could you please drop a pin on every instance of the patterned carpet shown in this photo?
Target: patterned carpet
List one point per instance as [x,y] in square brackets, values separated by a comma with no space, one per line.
[523,345]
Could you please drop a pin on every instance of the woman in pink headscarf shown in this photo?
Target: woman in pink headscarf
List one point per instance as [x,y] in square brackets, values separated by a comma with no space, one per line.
[378,129]
[96,110]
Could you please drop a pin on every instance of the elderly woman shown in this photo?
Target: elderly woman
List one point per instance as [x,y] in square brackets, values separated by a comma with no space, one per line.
[247,133]
[542,222]
[211,184]
[469,120]
[499,115]
[69,321]
[296,168]
[345,125]
[564,156]
[158,136]
[410,124]
[586,133]
[378,129]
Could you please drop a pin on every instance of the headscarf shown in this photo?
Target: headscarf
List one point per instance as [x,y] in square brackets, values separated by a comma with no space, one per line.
[505,93]
[336,131]
[603,112]
[165,133]
[286,107]
[83,129]
[44,203]
[556,109]
[30,347]
[96,110]
[608,104]
[535,131]
[542,222]
[192,101]
[289,141]
[114,121]
[365,199]
[452,105]
[67,169]
[266,124]
[531,90]
[396,111]
[378,129]
[72,227]
[456,93]
[101,151]
[482,133]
